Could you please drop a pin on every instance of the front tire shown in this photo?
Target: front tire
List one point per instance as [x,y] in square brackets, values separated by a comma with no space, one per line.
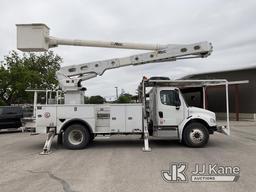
[195,135]
[76,136]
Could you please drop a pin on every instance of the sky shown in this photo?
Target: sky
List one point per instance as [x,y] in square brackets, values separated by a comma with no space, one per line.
[229,25]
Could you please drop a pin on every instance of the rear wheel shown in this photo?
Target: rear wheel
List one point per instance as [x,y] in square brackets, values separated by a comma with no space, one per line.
[76,136]
[195,135]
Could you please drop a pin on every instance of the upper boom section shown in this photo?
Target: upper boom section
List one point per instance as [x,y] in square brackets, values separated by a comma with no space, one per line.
[35,37]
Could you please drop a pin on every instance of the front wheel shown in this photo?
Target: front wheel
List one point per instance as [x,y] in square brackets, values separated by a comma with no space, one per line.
[76,136]
[195,135]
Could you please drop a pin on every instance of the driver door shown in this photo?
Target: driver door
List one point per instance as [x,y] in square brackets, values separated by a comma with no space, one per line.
[170,108]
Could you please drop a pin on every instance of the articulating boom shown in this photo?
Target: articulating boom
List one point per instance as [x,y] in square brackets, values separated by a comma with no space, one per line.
[92,69]
[35,37]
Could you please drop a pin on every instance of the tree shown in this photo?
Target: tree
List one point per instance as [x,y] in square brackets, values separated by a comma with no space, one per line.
[27,71]
[97,99]
[124,98]
[86,100]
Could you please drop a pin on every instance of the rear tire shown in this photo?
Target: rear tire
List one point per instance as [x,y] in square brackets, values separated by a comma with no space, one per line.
[76,136]
[195,135]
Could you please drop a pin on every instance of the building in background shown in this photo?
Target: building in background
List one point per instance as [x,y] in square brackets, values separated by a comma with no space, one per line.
[242,93]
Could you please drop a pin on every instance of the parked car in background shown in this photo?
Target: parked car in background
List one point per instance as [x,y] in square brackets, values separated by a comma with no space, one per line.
[27,110]
[10,117]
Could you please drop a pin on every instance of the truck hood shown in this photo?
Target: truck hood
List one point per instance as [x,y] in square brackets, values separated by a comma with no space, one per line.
[196,110]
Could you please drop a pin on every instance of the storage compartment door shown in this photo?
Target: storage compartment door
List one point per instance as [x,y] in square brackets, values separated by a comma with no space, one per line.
[117,118]
[133,119]
[45,116]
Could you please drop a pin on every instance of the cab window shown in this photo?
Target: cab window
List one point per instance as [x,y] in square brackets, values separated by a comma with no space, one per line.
[167,97]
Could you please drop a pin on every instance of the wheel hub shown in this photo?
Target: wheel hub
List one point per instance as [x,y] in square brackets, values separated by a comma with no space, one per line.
[196,135]
[75,137]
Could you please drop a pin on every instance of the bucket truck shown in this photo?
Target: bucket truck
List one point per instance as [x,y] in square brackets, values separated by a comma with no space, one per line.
[167,115]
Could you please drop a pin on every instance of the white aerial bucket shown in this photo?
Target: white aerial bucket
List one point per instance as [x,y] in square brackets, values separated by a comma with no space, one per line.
[32,37]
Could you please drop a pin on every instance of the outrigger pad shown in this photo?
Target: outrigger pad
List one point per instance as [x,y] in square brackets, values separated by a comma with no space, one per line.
[45,152]
[146,150]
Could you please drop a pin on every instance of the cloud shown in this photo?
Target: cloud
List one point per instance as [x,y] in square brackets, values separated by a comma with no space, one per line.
[229,25]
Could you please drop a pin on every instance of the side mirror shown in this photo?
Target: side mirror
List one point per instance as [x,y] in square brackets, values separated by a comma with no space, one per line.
[177,102]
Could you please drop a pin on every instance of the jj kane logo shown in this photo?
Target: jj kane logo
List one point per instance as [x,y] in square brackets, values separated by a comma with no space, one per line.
[177,172]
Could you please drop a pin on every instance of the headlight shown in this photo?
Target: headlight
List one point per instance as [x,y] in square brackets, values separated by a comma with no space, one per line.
[212,120]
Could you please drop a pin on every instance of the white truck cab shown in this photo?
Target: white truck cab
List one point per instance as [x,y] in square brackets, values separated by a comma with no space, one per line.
[169,116]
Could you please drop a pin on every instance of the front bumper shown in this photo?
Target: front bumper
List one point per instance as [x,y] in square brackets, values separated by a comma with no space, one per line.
[222,129]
